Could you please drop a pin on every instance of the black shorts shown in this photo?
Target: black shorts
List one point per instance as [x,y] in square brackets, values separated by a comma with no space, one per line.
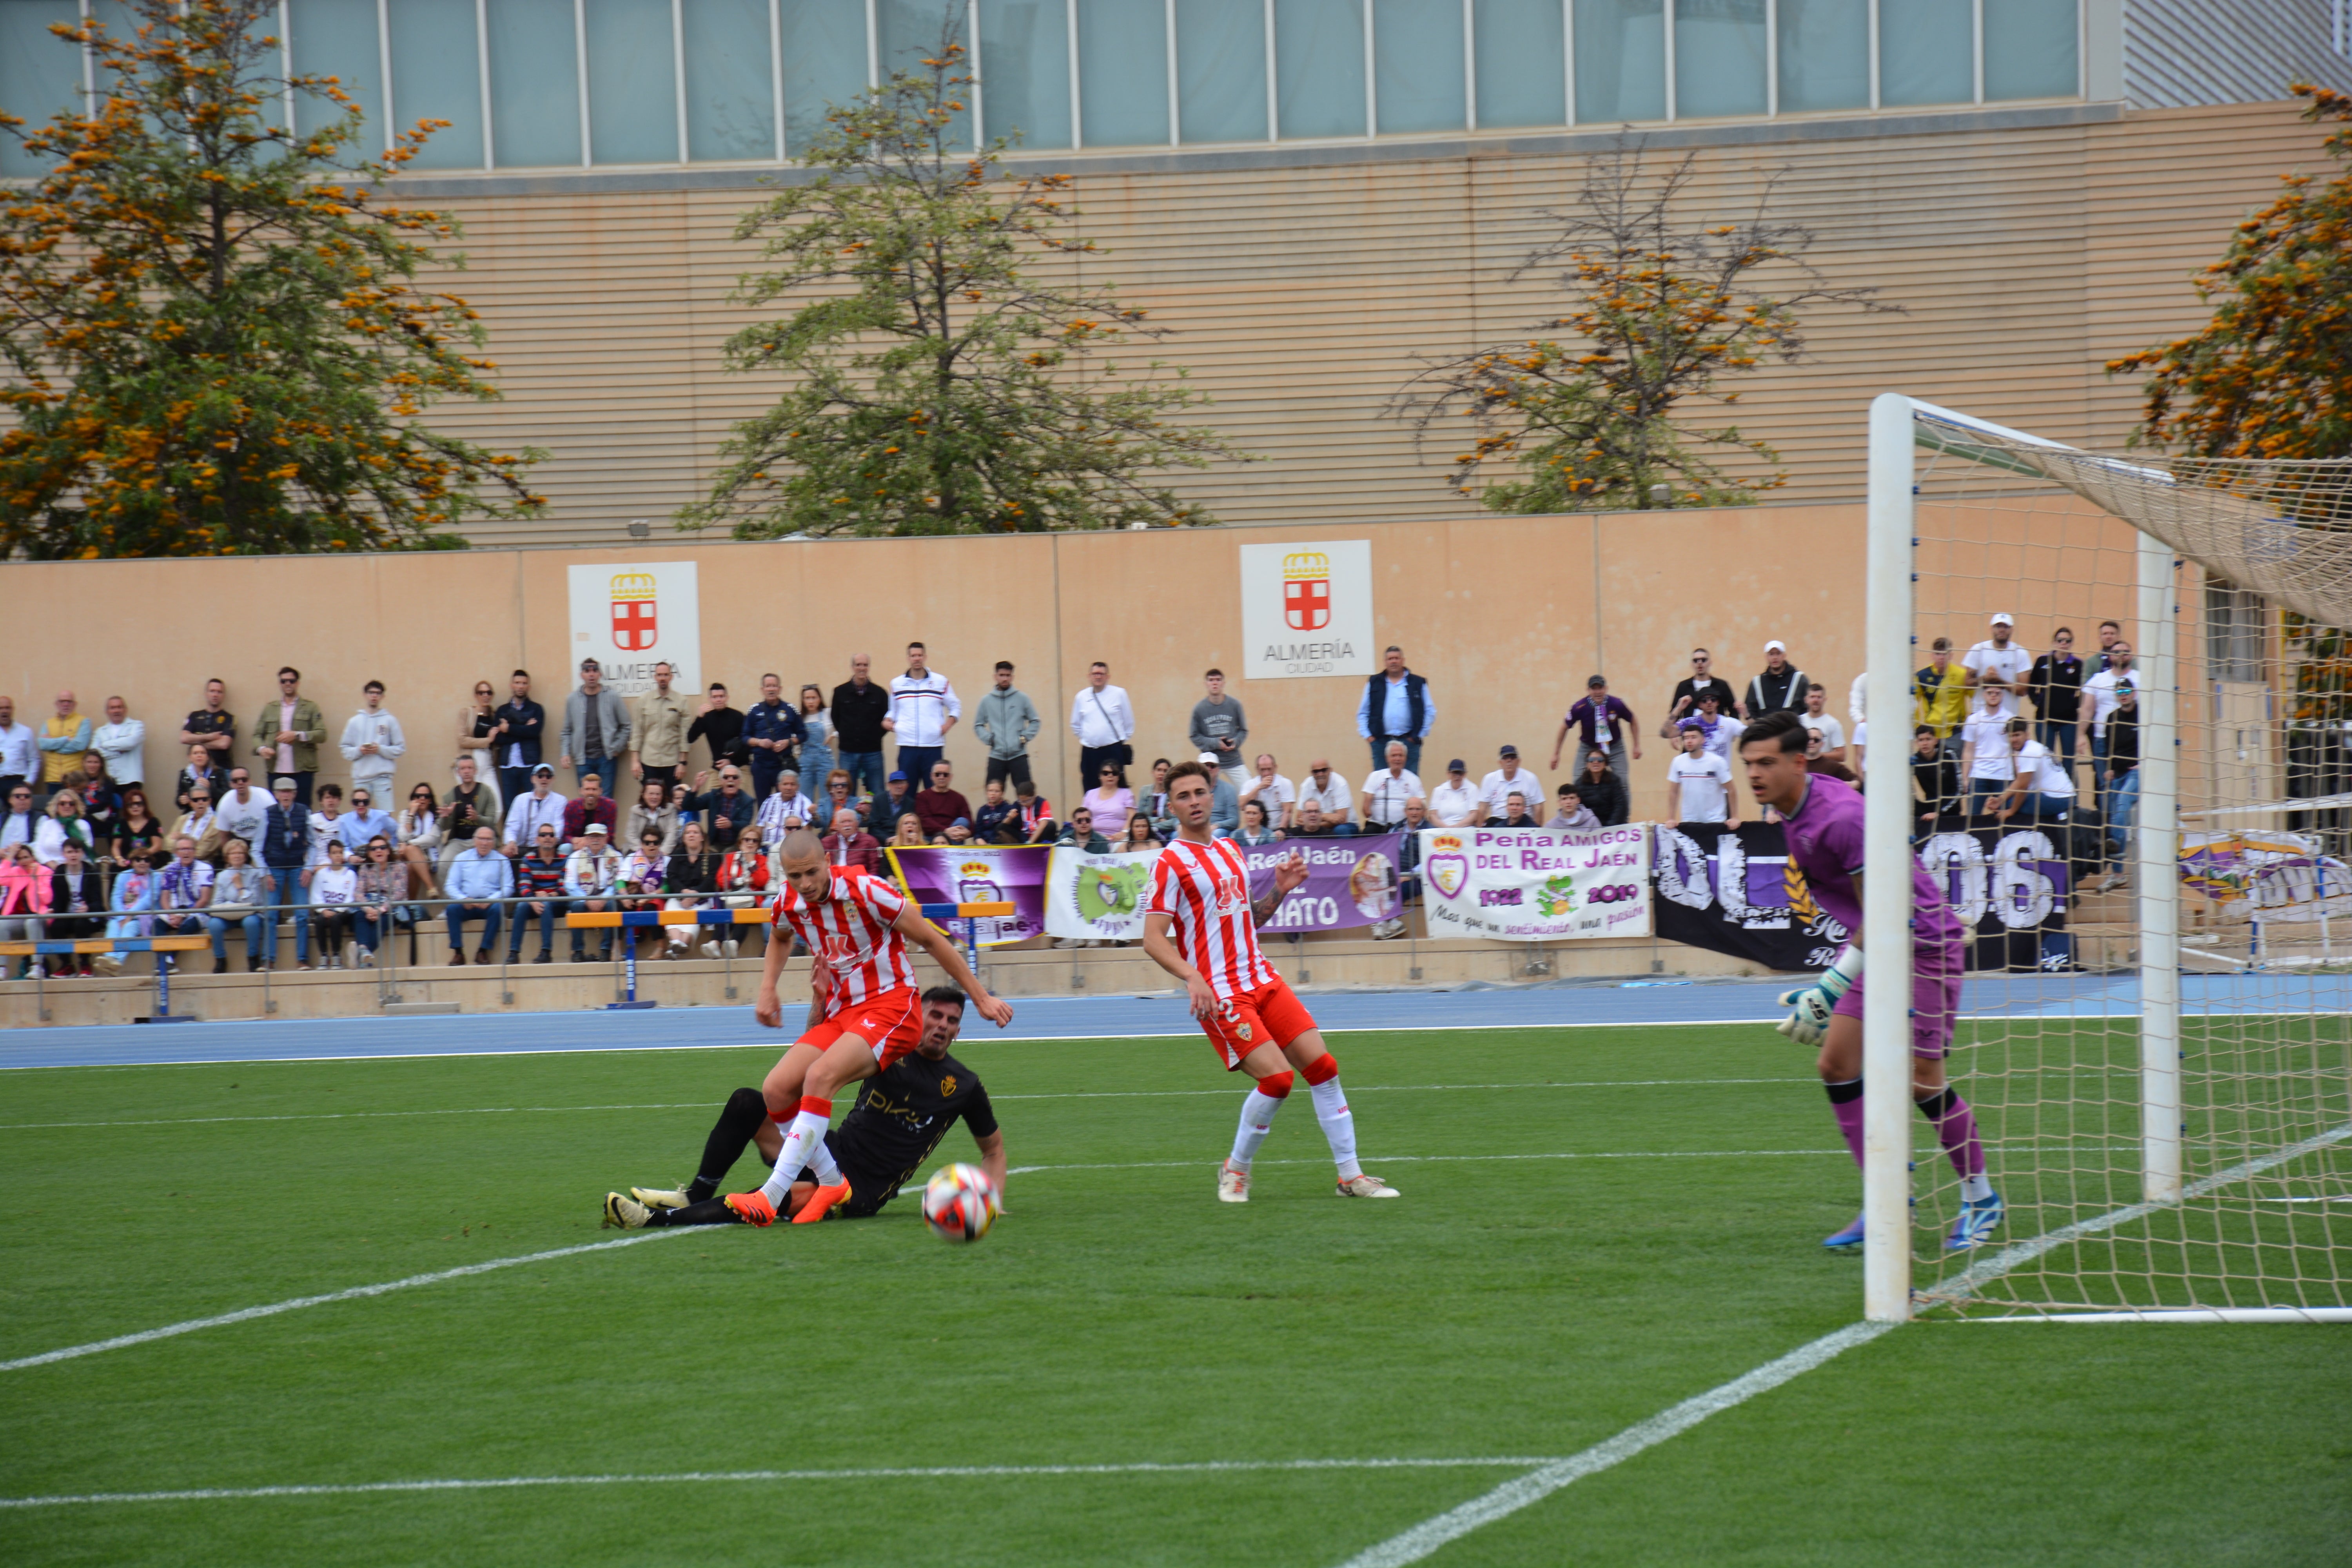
[1011,771]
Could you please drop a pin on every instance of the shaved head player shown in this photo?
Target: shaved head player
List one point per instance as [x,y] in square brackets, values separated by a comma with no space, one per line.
[864,1013]
[1201,926]
[1823,819]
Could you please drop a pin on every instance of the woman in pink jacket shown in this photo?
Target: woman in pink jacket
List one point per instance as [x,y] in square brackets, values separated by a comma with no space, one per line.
[24,894]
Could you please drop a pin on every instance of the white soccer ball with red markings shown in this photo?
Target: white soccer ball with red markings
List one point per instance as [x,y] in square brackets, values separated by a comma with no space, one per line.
[959,1203]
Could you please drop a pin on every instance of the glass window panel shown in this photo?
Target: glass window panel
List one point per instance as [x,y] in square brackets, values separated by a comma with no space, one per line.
[40,73]
[2030,46]
[1927,52]
[911,31]
[1824,55]
[730,95]
[1024,70]
[1522,72]
[825,63]
[1318,61]
[1221,70]
[436,75]
[1417,64]
[337,39]
[1621,60]
[1718,58]
[1123,73]
[534,84]
[632,83]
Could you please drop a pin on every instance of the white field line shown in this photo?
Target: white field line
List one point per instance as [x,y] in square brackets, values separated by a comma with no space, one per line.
[1428,1536]
[700,1105]
[943,1472]
[1436,1159]
[122,1342]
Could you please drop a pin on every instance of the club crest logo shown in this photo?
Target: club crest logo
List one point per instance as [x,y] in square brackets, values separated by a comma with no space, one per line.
[1307,590]
[1243,1030]
[1447,869]
[947,1086]
[636,623]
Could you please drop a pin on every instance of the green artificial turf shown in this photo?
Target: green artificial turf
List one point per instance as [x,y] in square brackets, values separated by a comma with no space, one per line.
[1540,1286]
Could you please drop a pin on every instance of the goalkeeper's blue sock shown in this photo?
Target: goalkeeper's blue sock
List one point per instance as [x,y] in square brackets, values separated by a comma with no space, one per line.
[1845,1104]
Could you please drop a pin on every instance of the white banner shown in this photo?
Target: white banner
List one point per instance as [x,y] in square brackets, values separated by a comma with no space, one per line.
[629,619]
[1536,885]
[1097,897]
[1306,610]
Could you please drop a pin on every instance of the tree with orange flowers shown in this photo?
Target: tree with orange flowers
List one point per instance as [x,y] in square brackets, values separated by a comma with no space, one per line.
[1590,410]
[945,357]
[213,340]
[2271,374]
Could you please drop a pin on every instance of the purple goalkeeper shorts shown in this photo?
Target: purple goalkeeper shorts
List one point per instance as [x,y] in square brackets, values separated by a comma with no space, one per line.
[1935,998]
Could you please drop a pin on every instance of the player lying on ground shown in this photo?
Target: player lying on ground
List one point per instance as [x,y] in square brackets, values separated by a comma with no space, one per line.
[864,1013]
[1823,820]
[899,1118]
[1201,926]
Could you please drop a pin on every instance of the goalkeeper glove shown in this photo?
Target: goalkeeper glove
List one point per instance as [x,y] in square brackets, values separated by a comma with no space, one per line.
[1810,1006]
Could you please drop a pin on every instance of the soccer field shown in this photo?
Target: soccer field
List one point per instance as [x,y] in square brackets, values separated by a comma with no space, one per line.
[1597,1225]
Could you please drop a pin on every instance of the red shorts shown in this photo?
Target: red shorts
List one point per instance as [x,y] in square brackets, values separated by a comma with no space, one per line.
[892,1023]
[1272,1013]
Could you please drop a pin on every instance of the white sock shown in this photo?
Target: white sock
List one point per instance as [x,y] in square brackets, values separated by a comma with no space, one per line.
[803,1145]
[1257,1120]
[1339,1125]
[1975,1189]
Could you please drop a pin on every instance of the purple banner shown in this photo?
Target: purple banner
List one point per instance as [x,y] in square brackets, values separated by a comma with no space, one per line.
[1349,882]
[980,873]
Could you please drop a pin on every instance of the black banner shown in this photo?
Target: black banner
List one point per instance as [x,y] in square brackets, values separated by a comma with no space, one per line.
[1736,892]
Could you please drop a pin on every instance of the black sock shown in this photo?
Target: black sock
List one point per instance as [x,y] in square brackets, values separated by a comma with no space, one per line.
[1845,1093]
[706,1211]
[739,1120]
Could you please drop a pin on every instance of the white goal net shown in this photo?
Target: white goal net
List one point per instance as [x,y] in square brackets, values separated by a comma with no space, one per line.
[2156,1028]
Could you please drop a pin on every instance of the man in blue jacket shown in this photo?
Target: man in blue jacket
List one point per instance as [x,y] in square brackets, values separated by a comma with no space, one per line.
[285,845]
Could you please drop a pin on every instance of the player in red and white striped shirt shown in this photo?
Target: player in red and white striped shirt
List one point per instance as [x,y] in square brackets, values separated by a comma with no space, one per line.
[1201,926]
[864,1010]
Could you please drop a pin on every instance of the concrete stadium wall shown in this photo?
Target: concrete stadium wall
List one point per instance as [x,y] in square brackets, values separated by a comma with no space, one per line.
[1505,616]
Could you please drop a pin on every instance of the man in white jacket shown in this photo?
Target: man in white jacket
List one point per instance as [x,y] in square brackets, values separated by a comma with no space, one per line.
[123,741]
[1104,721]
[373,743]
[923,709]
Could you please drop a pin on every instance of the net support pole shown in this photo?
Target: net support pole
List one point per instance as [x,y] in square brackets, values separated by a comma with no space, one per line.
[1886,875]
[2156,874]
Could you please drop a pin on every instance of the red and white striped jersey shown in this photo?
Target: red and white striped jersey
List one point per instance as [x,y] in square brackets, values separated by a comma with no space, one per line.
[1205,887]
[851,934]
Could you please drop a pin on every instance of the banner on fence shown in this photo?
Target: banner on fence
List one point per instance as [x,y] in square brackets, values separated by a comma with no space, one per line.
[1098,898]
[2265,874]
[1351,882]
[980,873]
[1540,885]
[1736,892]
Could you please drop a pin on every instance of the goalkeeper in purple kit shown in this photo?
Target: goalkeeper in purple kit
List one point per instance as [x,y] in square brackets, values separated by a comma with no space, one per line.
[1823,820]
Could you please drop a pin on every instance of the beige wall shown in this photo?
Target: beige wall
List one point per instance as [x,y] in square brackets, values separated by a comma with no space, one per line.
[1505,616]
[2026,257]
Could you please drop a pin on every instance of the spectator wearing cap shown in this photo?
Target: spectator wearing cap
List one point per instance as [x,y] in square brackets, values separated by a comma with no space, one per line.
[592,882]
[1939,693]
[1329,791]
[593,806]
[1604,724]
[1272,791]
[1999,661]
[1220,729]
[1570,811]
[939,803]
[1778,688]
[595,730]
[479,879]
[1006,722]
[1509,778]
[1700,680]
[895,802]
[1817,719]
[1457,802]
[1396,706]
[285,851]
[1601,792]
[923,707]
[1103,719]
[1386,792]
[536,805]
[850,845]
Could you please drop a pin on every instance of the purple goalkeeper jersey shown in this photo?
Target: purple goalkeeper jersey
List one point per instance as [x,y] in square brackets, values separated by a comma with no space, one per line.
[1826,840]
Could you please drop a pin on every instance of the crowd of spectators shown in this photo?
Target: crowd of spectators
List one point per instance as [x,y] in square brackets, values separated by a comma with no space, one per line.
[252,840]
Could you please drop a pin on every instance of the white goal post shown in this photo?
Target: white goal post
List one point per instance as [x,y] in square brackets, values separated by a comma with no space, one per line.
[2147,1170]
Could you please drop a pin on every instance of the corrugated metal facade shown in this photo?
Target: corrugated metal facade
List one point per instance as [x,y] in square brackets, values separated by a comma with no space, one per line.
[2178,53]
[1300,295]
